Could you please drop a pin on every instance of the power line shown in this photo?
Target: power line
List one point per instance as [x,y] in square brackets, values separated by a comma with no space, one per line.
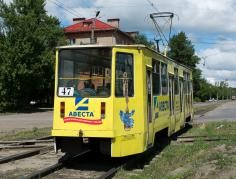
[218,42]
[71,9]
[153,5]
[62,6]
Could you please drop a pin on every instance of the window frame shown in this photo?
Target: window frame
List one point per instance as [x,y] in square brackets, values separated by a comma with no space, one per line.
[154,62]
[176,79]
[167,81]
[74,69]
[132,55]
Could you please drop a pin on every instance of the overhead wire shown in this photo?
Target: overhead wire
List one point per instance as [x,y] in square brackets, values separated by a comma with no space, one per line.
[152,4]
[62,6]
[67,7]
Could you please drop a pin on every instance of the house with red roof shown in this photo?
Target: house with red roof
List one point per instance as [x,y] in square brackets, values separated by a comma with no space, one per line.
[109,33]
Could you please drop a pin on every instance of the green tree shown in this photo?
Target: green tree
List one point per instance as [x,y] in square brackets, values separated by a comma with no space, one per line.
[182,51]
[142,39]
[27,52]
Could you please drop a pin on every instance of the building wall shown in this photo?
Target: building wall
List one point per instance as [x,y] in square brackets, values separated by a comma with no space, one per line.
[103,38]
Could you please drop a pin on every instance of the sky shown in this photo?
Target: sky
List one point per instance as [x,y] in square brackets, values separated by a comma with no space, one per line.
[209,24]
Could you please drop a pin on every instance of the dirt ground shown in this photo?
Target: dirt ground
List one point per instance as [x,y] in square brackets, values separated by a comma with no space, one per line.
[20,168]
[220,164]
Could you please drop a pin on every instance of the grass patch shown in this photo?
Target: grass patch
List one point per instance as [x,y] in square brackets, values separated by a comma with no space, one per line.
[221,129]
[198,160]
[24,135]
[222,160]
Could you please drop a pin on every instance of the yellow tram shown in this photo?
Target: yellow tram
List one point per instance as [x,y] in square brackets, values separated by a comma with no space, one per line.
[116,99]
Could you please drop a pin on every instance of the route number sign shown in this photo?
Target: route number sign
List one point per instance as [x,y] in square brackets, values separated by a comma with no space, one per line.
[66,91]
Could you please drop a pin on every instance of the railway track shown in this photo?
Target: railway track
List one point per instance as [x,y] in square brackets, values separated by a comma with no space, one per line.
[25,154]
[13,153]
[22,154]
[83,165]
[194,138]
[59,165]
[36,143]
[74,167]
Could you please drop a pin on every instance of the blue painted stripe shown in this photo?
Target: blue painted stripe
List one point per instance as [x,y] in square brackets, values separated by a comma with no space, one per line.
[82,108]
[86,101]
[77,100]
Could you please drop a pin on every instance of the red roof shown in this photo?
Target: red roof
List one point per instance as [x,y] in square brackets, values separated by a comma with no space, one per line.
[87,25]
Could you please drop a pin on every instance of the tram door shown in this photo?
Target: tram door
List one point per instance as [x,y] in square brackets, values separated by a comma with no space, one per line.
[172,102]
[149,106]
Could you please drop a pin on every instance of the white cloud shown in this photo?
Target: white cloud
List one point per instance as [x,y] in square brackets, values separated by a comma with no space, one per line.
[204,15]
[211,17]
[195,15]
[220,62]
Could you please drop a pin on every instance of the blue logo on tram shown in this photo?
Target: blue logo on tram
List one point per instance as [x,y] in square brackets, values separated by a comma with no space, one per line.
[126,119]
[81,107]
[84,102]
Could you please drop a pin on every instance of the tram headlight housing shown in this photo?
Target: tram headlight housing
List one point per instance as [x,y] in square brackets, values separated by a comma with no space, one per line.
[103,110]
[62,109]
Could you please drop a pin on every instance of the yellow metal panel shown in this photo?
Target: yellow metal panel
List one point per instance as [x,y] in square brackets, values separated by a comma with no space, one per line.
[134,104]
[127,145]
[181,73]
[86,133]
[162,112]
[90,120]
[125,141]
[171,68]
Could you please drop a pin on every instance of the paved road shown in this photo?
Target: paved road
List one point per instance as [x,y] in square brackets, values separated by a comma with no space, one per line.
[17,122]
[226,112]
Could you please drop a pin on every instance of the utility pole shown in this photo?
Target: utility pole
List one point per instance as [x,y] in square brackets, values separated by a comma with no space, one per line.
[92,40]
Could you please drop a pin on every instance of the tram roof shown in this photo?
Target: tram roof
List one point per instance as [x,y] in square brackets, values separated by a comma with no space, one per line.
[99,46]
[110,46]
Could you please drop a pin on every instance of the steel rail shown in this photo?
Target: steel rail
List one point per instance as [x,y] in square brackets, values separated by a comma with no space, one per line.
[23,146]
[45,138]
[110,173]
[54,167]
[24,155]
[25,142]
[193,136]
[186,140]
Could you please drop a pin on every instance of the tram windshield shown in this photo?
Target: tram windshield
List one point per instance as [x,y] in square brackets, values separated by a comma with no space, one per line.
[84,72]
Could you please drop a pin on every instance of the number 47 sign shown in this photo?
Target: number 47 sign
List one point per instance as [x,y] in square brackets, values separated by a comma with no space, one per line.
[66,91]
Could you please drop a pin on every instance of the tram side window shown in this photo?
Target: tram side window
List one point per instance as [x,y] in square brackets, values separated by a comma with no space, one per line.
[164,80]
[176,79]
[156,78]
[124,74]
